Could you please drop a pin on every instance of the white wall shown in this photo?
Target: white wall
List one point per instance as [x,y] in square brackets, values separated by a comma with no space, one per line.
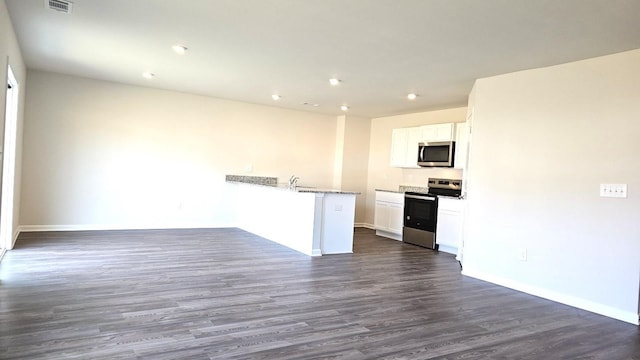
[542,142]
[381,175]
[107,155]
[354,160]
[10,54]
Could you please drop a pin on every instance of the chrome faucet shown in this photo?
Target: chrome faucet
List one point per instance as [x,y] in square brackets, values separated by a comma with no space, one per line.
[293,182]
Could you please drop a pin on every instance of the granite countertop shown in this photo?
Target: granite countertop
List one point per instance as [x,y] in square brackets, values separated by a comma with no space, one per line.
[406,188]
[272,182]
[303,189]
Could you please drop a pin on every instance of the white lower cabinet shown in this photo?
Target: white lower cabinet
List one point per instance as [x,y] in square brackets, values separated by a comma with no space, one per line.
[449,228]
[395,213]
[389,214]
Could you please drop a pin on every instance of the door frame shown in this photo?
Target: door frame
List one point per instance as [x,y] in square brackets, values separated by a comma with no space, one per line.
[7,190]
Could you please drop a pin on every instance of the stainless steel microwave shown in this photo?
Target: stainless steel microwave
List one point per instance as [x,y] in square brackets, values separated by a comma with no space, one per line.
[436,154]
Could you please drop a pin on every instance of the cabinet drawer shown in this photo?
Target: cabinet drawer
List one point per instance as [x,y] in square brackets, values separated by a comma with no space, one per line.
[391,197]
[456,205]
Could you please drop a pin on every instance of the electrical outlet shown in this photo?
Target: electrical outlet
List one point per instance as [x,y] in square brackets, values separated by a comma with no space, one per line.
[522,254]
[613,190]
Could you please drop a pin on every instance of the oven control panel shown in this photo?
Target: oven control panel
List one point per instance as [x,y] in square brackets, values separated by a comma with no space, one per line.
[445,187]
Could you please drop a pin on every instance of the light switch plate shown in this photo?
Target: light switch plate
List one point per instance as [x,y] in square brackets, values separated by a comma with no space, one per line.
[522,254]
[613,190]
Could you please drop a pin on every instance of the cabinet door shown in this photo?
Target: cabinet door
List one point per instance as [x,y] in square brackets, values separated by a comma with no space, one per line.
[389,212]
[381,218]
[448,230]
[437,132]
[462,146]
[414,137]
[404,147]
[395,213]
[399,139]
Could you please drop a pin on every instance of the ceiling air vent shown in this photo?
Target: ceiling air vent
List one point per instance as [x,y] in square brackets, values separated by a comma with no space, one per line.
[59,5]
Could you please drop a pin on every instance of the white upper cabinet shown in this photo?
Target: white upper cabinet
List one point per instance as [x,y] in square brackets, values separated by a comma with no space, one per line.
[404,147]
[399,138]
[404,142]
[462,145]
[415,137]
[437,132]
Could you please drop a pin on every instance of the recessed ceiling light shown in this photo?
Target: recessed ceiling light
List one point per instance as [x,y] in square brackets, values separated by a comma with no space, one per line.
[179,49]
[148,75]
[276,97]
[412,96]
[310,104]
[344,108]
[334,82]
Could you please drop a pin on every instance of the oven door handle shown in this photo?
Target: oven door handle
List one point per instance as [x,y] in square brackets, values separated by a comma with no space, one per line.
[420,197]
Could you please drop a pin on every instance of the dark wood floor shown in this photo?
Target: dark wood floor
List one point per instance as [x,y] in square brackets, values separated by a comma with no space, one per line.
[227,294]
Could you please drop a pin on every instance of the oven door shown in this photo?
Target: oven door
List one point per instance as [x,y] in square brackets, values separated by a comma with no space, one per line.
[420,211]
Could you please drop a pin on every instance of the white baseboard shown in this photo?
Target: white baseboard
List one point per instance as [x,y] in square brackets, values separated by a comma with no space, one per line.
[448,249]
[389,235]
[626,316]
[364,225]
[16,233]
[37,228]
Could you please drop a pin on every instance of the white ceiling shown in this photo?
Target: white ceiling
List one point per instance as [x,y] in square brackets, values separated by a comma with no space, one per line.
[382,50]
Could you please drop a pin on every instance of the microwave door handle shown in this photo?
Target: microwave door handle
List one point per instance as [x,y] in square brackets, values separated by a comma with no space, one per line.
[421,154]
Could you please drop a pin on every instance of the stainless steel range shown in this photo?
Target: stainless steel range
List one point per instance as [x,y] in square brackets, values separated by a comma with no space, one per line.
[421,212]
[445,187]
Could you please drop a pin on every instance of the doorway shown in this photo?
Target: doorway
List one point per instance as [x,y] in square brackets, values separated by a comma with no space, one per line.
[8,163]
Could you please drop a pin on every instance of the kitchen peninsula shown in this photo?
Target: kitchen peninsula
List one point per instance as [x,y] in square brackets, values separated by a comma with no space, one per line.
[312,221]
